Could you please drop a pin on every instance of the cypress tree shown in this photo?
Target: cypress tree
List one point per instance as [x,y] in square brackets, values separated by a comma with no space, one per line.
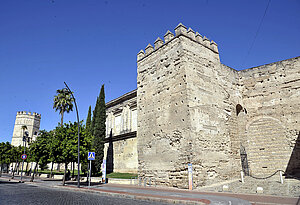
[88,120]
[99,129]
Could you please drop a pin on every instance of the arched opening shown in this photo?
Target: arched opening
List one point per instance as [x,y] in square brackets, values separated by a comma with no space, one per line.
[239,108]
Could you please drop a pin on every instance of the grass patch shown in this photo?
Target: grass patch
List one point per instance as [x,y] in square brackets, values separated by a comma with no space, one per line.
[121,175]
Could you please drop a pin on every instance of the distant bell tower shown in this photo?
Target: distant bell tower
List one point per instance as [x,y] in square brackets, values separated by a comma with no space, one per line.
[31,121]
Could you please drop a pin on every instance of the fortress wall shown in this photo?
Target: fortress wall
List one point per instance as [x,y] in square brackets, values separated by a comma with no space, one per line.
[31,121]
[210,90]
[163,135]
[186,111]
[271,96]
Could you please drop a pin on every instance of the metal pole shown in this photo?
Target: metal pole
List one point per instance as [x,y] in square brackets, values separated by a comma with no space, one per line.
[24,142]
[78,173]
[90,172]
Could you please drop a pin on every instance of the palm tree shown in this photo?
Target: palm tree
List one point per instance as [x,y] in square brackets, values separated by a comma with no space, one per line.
[63,102]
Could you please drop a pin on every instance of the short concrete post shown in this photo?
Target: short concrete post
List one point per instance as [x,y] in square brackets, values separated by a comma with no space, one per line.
[259,190]
[225,188]
[242,176]
[281,178]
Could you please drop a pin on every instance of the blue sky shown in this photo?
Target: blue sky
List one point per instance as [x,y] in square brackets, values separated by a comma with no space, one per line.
[90,43]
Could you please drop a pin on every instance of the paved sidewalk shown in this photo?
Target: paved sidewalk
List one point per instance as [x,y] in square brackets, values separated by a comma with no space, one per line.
[169,195]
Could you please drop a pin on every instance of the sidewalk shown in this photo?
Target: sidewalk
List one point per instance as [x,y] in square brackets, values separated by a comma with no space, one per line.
[169,195]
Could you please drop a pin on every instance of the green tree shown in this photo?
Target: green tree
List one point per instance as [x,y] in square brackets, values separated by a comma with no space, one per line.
[67,148]
[52,148]
[39,151]
[63,102]
[89,119]
[99,128]
[5,155]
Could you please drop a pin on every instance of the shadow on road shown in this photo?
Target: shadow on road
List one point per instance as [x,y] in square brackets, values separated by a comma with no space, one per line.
[8,182]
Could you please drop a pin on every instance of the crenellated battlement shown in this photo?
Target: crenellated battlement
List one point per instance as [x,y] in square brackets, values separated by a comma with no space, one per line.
[19,113]
[180,30]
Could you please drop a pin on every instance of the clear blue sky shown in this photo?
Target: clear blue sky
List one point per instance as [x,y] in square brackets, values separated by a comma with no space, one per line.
[87,43]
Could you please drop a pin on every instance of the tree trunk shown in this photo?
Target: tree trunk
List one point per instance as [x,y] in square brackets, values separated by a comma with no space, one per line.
[73,163]
[51,169]
[18,168]
[26,172]
[62,119]
[14,169]
[64,179]
[37,168]
[32,177]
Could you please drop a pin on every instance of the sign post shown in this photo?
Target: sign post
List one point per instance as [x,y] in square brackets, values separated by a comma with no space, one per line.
[190,172]
[91,156]
[104,171]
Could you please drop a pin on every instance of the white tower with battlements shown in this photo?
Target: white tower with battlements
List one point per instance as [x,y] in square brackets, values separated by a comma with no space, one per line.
[31,121]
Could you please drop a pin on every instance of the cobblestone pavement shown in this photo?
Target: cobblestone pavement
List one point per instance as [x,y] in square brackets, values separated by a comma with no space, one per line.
[14,193]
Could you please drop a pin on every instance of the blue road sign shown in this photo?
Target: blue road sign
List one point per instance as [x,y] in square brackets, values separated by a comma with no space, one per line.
[23,156]
[91,156]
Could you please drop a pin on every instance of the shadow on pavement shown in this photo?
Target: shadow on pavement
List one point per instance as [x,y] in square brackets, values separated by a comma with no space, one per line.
[83,183]
[8,182]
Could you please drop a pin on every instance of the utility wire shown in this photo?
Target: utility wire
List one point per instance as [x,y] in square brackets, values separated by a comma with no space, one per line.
[256,34]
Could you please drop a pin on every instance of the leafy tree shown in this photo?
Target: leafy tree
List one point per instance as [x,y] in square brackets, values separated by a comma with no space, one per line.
[63,102]
[5,157]
[67,148]
[99,118]
[88,119]
[39,151]
[52,148]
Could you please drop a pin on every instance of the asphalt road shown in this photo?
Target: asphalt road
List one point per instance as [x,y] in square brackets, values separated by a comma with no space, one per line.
[14,193]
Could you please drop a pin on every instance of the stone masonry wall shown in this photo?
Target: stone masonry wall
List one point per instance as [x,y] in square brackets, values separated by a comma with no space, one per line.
[210,107]
[31,121]
[163,137]
[184,111]
[271,96]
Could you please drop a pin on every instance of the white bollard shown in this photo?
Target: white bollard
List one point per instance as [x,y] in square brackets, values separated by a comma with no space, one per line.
[259,190]
[242,176]
[225,188]
[281,178]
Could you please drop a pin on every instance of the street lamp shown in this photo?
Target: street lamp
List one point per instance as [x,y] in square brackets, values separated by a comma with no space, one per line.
[25,137]
[78,173]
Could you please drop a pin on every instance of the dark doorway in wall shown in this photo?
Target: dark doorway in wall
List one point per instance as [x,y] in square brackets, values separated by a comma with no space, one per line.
[110,155]
[244,160]
[293,167]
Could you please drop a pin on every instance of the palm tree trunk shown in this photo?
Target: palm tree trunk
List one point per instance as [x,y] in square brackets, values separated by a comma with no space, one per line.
[32,177]
[62,119]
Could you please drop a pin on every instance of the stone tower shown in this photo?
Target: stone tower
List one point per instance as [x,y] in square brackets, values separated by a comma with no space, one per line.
[183,111]
[31,121]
